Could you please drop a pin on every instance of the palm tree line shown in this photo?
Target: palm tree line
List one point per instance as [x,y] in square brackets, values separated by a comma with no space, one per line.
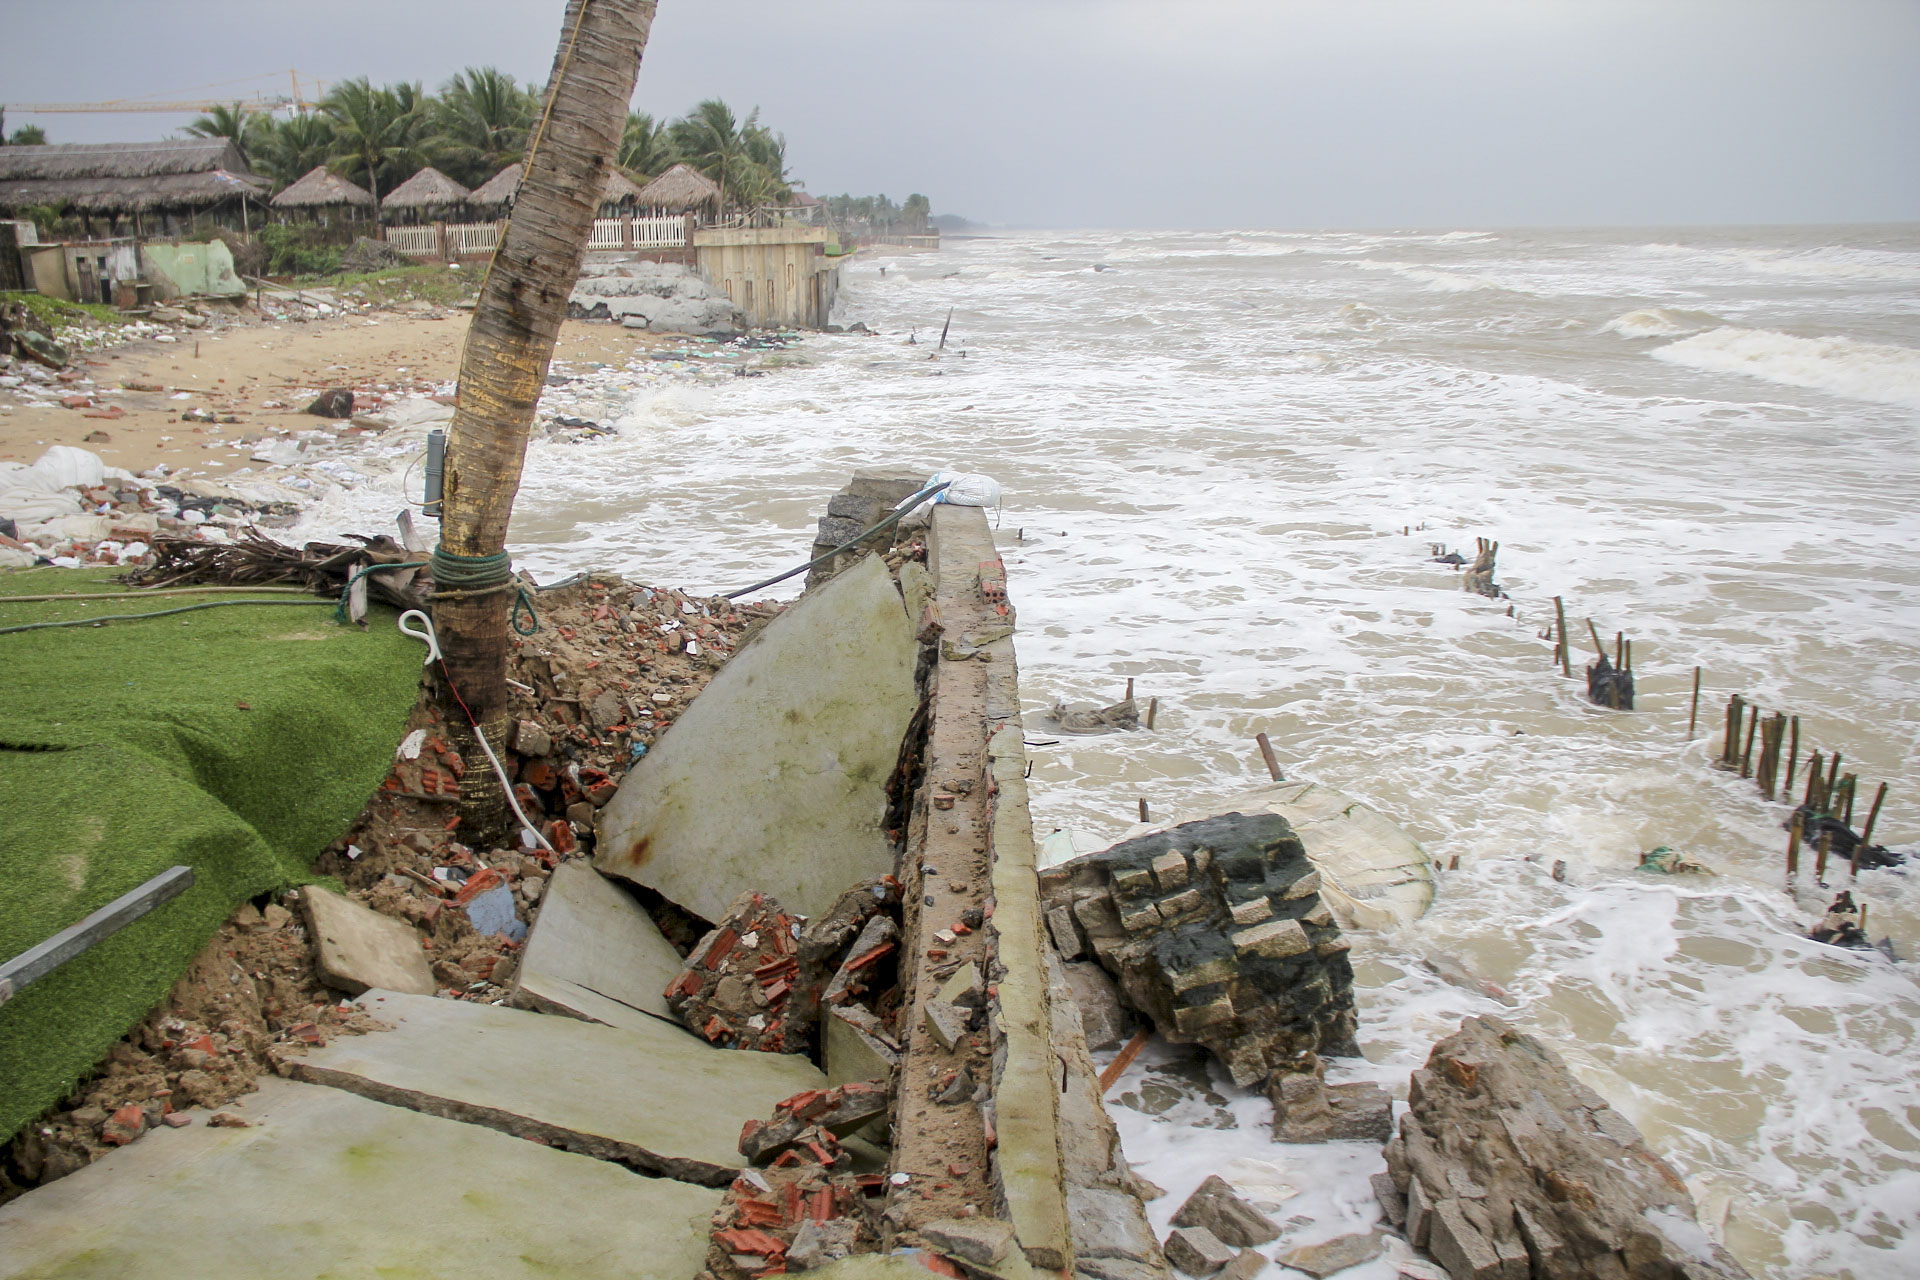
[478,124]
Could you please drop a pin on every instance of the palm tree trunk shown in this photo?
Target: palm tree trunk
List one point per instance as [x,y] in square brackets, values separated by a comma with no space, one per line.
[509,346]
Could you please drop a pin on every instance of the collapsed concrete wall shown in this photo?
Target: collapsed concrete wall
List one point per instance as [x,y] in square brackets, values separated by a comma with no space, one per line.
[773,781]
[1506,1165]
[1215,929]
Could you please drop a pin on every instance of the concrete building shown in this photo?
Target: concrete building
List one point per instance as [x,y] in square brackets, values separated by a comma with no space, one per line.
[781,277]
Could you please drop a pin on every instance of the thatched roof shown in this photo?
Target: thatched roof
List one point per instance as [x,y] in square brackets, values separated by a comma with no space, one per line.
[680,188]
[426,189]
[320,189]
[498,191]
[619,188]
[127,177]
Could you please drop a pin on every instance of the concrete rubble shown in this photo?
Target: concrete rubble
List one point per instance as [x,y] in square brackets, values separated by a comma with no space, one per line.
[1308,1109]
[355,948]
[1215,930]
[663,297]
[1509,1166]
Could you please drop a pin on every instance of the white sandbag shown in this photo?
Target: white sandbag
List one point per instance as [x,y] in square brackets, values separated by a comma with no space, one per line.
[66,466]
[966,489]
[25,504]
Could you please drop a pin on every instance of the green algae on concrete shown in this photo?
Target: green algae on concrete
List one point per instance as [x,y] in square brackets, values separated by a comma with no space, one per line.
[774,779]
[325,1184]
[238,741]
[651,1095]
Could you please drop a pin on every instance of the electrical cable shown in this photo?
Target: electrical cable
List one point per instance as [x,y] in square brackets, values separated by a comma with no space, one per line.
[432,639]
[899,511]
[135,617]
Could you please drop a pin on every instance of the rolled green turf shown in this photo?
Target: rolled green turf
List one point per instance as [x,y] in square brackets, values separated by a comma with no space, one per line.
[124,750]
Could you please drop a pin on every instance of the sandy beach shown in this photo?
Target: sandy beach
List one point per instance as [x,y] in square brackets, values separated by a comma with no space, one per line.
[262,373]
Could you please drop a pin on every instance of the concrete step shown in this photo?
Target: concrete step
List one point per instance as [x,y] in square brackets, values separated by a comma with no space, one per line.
[324,1183]
[650,1096]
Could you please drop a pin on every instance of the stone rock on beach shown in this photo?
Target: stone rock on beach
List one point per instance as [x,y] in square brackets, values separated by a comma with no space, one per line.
[1214,929]
[1510,1166]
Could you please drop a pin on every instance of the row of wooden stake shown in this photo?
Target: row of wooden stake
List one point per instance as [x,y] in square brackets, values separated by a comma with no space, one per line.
[1829,793]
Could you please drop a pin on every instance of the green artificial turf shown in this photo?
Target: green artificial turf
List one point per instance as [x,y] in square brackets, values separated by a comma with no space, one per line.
[125,750]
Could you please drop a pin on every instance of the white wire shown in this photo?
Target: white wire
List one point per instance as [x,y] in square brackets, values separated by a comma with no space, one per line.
[433,653]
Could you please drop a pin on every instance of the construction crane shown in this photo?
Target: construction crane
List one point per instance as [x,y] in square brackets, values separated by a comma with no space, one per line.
[258,104]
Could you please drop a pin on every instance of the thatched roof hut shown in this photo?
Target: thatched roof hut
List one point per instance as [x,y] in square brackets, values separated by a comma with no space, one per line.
[496,193]
[619,189]
[425,192]
[113,178]
[320,188]
[680,189]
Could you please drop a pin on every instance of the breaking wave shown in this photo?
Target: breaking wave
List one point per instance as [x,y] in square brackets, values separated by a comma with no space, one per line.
[1436,281]
[1858,370]
[1660,322]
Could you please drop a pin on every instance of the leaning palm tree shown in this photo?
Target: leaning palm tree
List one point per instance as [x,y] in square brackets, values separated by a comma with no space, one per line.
[711,140]
[244,127]
[376,131]
[504,366]
[479,125]
[645,148]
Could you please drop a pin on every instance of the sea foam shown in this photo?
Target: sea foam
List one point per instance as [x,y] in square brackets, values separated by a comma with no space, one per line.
[1858,370]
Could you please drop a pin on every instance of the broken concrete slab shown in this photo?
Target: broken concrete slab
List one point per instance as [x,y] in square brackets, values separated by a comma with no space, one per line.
[852,1053]
[774,779]
[1197,1251]
[649,1096]
[356,948]
[1330,1256]
[1109,1224]
[594,954]
[984,1242]
[423,1197]
[1373,874]
[1215,1206]
[1103,1016]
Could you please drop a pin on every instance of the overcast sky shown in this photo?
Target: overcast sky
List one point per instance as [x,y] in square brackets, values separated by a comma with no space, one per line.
[1131,113]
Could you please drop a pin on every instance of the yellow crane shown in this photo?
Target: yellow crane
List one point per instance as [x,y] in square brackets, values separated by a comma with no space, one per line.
[257,104]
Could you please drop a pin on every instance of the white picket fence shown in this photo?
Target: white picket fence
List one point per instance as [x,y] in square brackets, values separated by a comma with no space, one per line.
[416,242]
[472,239]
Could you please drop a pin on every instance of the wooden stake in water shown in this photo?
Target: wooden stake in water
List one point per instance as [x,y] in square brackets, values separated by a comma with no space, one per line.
[1153,709]
[1833,780]
[1736,708]
[1794,829]
[1873,815]
[1143,808]
[1266,753]
[1693,716]
[1793,757]
[1746,753]
[1850,784]
[1560,615]
[1129,697]
[1813,780]
[1822,849]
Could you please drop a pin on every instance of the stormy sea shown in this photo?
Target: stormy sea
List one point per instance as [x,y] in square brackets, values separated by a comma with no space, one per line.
[1228,459]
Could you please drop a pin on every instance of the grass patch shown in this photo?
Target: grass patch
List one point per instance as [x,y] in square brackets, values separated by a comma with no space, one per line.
[238,741]
[58,314]
[441,285]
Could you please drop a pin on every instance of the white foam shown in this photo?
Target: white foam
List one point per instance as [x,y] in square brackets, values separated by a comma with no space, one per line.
[1858,370]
